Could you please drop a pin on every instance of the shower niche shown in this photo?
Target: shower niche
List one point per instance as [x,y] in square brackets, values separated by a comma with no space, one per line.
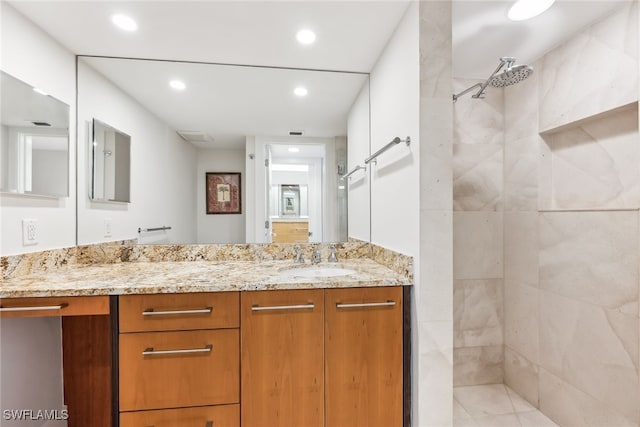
[592,163]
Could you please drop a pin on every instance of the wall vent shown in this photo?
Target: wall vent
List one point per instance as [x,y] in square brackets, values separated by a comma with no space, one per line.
[296,132]
[41,123]
[194,136]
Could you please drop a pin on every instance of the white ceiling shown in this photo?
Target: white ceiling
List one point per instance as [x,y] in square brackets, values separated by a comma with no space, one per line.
[350,34]
[350,37]
[230,102]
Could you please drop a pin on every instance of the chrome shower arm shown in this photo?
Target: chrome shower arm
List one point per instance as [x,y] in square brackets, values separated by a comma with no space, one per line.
[456,96]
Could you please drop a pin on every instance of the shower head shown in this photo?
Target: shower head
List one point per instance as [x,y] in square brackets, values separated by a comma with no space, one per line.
[511,75]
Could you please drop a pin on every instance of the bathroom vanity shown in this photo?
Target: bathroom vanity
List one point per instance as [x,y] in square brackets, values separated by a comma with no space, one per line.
[230,343]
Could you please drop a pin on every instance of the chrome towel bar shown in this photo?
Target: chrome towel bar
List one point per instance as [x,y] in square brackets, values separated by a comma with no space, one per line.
[354,170]
[146,230]
[393,143]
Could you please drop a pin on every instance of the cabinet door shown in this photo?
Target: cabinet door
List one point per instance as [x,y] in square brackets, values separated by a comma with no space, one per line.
[363,362]
[282,358]
[204,416]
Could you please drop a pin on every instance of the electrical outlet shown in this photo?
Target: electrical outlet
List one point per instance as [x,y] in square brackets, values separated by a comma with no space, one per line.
[29,232]
[107,227]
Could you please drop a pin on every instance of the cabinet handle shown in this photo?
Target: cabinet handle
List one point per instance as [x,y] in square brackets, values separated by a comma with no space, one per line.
[38,308]
[283,307]
[151,352]
[366,304]
[151,312]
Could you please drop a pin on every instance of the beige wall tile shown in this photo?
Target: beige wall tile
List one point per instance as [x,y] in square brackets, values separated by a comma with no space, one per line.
[477,177]
[478,121]
[521,162]
[595,71]
[594,349]
[521,375]
[570,407]
[477,313]
[478,365]
[592,257]
[521,248]
[521,319]
[477,245]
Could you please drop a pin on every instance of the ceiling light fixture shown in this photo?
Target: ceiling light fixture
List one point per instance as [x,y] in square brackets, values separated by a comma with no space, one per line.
[293,149]
[124,22]
[177,85]
[306,36]
[300,91]
[40,91]
[527,9]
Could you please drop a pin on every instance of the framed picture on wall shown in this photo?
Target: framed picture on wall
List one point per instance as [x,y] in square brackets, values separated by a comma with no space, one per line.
[223,193]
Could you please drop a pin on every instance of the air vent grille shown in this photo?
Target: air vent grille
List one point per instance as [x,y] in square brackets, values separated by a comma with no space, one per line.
[194,136]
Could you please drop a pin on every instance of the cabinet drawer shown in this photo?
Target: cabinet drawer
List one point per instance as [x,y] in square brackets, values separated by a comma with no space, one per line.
[54,306]
[179,312]
[206,416]
[175,369]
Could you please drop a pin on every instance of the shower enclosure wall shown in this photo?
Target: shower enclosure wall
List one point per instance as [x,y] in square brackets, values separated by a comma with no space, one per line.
[546,230]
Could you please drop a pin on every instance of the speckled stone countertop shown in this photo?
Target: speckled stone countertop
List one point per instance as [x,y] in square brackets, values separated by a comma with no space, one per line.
[192,276]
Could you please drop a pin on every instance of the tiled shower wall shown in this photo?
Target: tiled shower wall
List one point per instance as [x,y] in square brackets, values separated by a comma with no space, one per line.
[478,203]
[571,229]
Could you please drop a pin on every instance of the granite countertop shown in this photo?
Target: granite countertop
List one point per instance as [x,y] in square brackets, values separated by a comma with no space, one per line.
[192,276]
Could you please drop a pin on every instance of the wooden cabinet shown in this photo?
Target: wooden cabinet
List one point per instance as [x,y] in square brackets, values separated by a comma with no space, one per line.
[54,306]
[329,358]
[204,416]
[282,358]
[289,231]
[176,352]
[364,357]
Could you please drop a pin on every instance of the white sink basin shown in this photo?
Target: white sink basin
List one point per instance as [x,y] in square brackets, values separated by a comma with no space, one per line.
[317,272]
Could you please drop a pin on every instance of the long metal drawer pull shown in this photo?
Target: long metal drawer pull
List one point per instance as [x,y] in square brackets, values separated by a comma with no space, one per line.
[367,304]
[151,352]
[38,308]
[151,312]
[283,307]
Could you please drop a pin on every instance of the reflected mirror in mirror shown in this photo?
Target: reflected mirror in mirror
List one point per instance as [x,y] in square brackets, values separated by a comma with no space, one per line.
[223,118]
[110,164]
[34,143]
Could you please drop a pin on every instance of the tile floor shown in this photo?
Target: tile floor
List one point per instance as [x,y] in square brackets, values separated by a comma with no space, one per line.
[494,405]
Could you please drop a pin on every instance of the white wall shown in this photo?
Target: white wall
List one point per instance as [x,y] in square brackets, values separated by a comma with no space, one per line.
[395,97]
[32,56]
[163,184]
[359,203]
[53,170]
[220,228]
[31,370]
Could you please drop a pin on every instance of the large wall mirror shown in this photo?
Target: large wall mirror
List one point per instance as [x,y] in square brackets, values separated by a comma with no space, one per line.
[285,134]
[34,142]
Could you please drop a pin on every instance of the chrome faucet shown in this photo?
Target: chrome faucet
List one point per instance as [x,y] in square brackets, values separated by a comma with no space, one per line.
[332,254]
[299,259]
[315,257]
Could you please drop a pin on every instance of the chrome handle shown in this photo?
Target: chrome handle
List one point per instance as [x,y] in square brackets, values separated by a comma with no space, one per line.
[283,307]
[367,304]
[150,351]
[40,308]
[151,312]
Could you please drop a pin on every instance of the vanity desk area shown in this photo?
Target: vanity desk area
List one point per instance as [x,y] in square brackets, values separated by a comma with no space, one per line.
[227,342]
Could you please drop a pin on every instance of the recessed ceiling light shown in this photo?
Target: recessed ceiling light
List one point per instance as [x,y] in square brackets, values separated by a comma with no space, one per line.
[526,9]
[306,36]
[177,85]
[40,91]
[293,149]
[124,22]
[300,91]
